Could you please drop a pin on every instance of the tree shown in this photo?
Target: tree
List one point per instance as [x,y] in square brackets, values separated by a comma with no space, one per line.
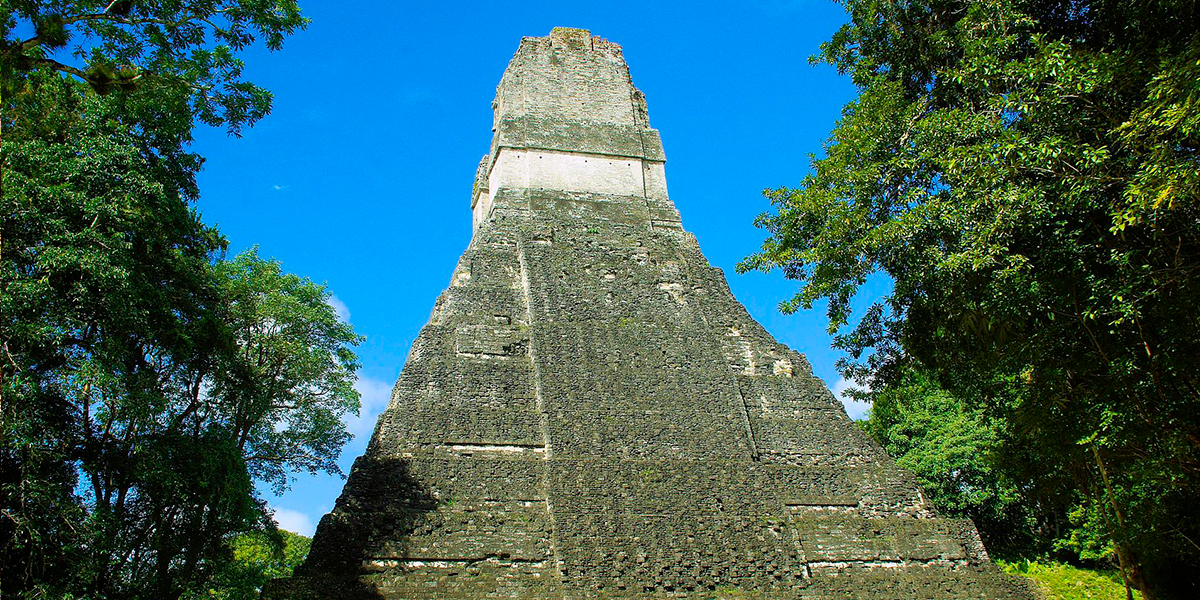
[253,559]
[148,386]
[183,51]
[291,379]
[267,403]
[1026,172]
[175,64]
[104,270]
[967,465]
[146,383]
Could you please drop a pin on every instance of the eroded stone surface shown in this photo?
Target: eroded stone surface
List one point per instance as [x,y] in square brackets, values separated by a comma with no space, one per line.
[589,413]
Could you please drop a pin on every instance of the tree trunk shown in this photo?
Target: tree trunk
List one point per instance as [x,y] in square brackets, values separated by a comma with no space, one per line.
[1131,570]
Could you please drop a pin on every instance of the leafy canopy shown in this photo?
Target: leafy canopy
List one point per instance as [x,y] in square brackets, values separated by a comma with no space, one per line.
[175,65]
[954,450]
[1026,171]
[182,50]
[146,382]
[252,560]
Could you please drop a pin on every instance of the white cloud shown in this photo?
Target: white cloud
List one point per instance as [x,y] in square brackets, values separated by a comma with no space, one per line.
[376,393]
[279,187]
[294,521]
[857,410]
[343,311]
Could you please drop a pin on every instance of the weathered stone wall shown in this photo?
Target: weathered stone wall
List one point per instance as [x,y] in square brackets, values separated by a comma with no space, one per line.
[591,414]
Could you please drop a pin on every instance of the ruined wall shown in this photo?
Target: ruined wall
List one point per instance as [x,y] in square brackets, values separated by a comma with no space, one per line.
[589,413]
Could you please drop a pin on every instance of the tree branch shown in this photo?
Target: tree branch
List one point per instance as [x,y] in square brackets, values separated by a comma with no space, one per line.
[80,73]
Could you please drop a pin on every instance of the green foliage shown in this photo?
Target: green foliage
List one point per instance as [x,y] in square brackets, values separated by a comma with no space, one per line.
[162,67]
[1065,582]
[952,449]
[105,273]
[291,379]
[1025,172]
[183,52]
[147,383]
[1088,537]
[253,559]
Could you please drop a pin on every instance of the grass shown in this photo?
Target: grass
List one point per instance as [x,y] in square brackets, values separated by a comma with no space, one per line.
[1065,582]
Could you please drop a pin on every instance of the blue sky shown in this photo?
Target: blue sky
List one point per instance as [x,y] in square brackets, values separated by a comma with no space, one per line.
[361,177]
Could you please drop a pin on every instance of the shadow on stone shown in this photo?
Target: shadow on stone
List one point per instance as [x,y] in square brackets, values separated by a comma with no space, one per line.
[364,537]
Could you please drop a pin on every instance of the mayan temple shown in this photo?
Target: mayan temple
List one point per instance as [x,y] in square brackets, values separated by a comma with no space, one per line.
[589,413]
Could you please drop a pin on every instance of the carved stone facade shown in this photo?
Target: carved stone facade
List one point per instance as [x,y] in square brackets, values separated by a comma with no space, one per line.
[589,413]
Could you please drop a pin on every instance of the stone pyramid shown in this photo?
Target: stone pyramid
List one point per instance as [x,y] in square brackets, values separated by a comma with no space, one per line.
[589,412]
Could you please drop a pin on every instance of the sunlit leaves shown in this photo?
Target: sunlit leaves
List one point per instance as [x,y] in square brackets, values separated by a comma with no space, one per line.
[952,449]
[1026,174]
[147,383]
[252,560]
[182,48]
